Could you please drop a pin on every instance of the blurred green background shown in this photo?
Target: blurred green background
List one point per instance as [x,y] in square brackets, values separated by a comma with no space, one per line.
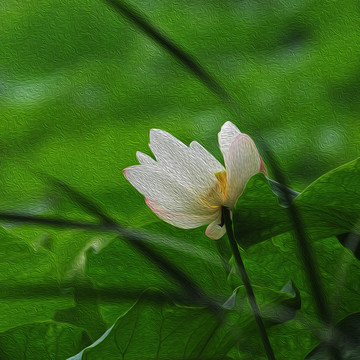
[81,86]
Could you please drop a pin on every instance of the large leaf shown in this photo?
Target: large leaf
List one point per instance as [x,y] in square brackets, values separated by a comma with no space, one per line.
[29,283]
[277,307]
[273,262]
[47,340]
[119,266]
[153,330]
[67,251]
[257,215]
[67,248]
[329,206]
[150,330]
[346,338]
[86,312]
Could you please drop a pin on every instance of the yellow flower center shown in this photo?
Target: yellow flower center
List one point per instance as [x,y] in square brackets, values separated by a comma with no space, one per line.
[216,196]
[221,176]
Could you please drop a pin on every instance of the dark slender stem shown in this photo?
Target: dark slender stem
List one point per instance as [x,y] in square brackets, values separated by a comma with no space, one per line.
[183,56]
[249,290]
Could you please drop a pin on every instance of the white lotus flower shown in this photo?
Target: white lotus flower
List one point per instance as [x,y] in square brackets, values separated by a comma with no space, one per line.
[186,186]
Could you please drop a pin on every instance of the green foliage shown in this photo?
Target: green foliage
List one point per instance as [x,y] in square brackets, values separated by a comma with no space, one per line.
[346,336]
[179,332]
[42,340]
[69,290]
[134,273]
[86,312]
[110,263]
[329,206]
[277,260]
[80,87]
[78,283]
[171,332]
[25,273]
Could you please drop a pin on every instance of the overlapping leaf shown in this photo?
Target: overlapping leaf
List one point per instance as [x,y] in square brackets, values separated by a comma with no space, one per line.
[273,262]
[42,340]
[163,330]
[119,266]
[29,283]
[346,338]
[329,206]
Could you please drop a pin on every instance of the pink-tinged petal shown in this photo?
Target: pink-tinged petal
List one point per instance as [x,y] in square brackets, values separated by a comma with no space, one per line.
[242,162]
[226,136]
[184,221]
[214,230]
[144,159]
[263,167]
[164,189]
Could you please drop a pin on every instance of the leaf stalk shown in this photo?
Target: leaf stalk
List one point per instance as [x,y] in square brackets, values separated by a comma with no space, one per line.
[246,281]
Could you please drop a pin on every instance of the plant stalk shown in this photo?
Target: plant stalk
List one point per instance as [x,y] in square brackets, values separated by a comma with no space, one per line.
[249,290]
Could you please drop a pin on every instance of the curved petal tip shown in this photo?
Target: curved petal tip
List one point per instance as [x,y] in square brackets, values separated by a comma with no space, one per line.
[226,136]
[214,230]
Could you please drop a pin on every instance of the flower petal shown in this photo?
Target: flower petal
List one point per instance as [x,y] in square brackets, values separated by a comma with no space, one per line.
[197,150]
[226,136]
[190,168]
[166,147]
[263,167]
[145,159]
[242,161]
[184,221]
[161,187]
[214,230]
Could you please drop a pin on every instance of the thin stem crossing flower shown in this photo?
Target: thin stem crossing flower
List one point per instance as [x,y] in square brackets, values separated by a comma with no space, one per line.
[186,186]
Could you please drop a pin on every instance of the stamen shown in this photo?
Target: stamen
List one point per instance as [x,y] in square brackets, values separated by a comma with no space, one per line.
[215,197]
[221,176]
